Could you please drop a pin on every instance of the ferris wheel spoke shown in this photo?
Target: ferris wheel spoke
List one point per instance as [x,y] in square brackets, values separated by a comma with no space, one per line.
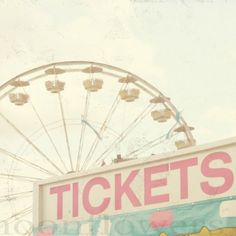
[26,162]
[16,198]
[103,127]
[65,130]
[82,134]
[15,195]
[144,89]
[16,216]
[146,146]
[29,232]
[126,131]
[23,178]
[162,139]
[31,143]
[48,135]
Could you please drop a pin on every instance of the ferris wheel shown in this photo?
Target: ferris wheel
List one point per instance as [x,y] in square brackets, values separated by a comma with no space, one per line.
[73,116]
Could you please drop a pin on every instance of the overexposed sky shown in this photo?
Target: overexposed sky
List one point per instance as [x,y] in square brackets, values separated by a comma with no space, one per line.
[186,48]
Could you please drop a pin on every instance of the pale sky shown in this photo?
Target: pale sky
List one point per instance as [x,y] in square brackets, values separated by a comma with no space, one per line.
[186,48]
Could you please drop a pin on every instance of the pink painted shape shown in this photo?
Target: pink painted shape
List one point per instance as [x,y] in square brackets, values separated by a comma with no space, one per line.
[184,166]
[45,232]
[75,204]
[161,219]
[95,210]
[124,188]
[59,190]
[154,183]
[225,173]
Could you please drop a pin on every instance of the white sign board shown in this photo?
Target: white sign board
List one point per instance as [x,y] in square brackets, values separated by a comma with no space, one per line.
[186,176]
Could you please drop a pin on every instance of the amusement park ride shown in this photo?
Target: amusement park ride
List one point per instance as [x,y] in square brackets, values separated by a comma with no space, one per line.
[97,142]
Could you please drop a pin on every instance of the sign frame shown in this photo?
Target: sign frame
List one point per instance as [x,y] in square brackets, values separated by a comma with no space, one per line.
[37,193]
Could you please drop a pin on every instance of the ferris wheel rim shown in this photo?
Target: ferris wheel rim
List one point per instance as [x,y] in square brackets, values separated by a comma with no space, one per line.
[181,121]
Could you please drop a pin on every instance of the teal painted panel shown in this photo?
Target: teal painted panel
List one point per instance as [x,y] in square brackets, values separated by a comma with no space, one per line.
[178,220]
